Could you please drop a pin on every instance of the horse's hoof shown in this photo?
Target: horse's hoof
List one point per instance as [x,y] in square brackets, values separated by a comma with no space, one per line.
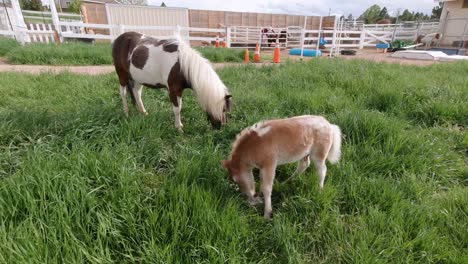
[145,113]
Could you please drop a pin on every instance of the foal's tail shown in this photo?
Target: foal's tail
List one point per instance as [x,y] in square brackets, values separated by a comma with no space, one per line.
[335,150]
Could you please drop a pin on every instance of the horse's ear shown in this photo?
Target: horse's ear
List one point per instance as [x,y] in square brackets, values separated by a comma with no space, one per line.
[228,102]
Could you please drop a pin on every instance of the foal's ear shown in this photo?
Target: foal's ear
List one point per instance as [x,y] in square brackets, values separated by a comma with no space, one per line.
[225,163]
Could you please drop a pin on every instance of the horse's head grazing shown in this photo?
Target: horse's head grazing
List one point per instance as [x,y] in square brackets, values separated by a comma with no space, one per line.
[217,122]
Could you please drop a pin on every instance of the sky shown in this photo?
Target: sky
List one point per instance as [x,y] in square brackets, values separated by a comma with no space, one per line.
[305,7]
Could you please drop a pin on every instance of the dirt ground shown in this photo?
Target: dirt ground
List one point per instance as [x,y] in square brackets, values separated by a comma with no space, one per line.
[366,54]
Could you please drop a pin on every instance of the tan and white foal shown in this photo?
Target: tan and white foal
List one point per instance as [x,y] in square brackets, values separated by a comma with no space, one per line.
[268,144]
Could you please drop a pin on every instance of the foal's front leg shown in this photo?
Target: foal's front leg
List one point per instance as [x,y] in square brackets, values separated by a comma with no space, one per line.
[252,197]
[268,176]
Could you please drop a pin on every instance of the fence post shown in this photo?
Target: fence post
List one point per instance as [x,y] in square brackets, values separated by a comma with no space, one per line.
[302,42]
[418,31]
[334,37]
[55,19]
[20,27]
[228,37]
[319,35]
[362,38]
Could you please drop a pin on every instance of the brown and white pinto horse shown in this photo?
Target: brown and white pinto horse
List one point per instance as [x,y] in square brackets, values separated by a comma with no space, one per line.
[268,144]
[429,39]
[168,63]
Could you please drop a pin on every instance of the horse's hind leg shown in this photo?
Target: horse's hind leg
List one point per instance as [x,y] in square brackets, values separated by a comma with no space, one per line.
[123,95]
[137,91]
[124,85]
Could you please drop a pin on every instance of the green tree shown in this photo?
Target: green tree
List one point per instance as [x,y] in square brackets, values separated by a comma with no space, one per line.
[23,4]
[371,15]
[407,16]
[35,5]
[383,14]
[75,6]
[437,11]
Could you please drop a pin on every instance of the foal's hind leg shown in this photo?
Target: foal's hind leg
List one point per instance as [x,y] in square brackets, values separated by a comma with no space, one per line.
[137,91]
[321,171]
[301,167]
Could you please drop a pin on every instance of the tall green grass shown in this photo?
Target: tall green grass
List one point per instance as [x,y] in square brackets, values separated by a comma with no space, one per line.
[223,54]
[75,53]
[68,53]
[7,44]
[80,183]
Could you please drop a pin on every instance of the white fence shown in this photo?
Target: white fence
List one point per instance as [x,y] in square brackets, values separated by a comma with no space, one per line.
[235,36]
[342,35]
[45,16]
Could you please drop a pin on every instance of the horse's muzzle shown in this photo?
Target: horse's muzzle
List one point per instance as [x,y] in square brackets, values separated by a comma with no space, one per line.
[216,123]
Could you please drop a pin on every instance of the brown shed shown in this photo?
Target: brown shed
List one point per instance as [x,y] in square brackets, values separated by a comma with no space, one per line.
[94,12]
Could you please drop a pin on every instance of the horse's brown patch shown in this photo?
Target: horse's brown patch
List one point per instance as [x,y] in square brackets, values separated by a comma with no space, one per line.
[168,45]
[419,39]
[140,56]
[155,86]
[171,47]
[177,78]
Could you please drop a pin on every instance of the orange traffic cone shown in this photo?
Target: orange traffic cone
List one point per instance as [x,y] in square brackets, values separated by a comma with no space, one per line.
[217,41]
[246,56]
[276,55]
[257,54]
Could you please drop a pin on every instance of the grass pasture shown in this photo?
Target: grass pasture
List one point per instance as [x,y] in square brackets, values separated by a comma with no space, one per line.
[78,53]
[80,183]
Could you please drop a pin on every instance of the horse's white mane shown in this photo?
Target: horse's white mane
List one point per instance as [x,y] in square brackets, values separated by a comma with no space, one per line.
[209,88]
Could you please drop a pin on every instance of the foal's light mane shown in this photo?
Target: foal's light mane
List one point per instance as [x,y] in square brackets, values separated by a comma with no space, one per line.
[244,133]
[209,88]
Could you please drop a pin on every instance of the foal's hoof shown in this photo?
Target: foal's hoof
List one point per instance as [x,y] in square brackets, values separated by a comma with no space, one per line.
[268,216]
[145,113]
[256,200]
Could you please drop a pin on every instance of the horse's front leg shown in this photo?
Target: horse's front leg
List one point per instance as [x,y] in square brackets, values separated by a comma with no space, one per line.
[176,99]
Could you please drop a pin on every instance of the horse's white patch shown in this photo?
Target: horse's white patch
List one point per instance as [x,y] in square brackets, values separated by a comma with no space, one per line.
[261,131]
[157,67]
